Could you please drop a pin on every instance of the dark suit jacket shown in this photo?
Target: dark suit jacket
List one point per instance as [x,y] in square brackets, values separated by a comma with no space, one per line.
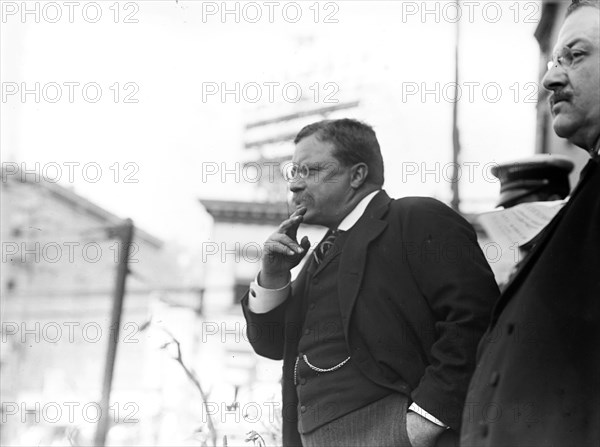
[415,295]
[538,378]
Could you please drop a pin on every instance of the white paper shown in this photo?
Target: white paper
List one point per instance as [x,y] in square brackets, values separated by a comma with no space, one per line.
[521,223]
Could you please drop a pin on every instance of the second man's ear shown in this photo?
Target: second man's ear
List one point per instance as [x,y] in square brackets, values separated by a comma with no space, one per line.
[359,173]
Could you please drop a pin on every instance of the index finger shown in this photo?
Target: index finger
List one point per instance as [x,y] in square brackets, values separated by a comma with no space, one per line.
[291,224]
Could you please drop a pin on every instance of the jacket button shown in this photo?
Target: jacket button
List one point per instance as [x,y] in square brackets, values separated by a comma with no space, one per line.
[484,430]
[494,378]
[312,306]
[302,381]
[307,332]
[303,409]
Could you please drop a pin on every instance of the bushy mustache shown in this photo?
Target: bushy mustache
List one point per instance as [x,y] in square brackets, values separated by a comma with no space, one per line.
[306,199]
[559,95]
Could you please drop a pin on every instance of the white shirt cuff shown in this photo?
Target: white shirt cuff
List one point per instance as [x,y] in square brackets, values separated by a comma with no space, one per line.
[261,300]
[414,407]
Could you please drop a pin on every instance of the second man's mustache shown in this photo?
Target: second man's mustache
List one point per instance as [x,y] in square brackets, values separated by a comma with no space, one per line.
[559,95]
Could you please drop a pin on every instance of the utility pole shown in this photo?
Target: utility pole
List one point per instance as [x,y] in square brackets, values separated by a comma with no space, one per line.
[124,234]
[455,202]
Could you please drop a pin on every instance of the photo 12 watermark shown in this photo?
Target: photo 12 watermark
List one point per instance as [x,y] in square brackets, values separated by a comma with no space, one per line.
[268,172]
[69,12]
[54,332]
[252,252]
[451,172]
[469,91]
[70,172]
[67,412]
[492,412]
[247,412]
[448,11]
[270,12]
[269,92]
[71,92]
[70,252]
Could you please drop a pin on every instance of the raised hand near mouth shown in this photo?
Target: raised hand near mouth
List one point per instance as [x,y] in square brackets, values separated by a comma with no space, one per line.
[282,252]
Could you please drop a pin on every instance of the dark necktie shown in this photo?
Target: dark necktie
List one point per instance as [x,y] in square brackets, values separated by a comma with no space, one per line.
[325,246]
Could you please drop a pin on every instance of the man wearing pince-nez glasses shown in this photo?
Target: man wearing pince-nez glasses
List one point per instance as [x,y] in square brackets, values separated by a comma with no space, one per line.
[378,331]
[537,382]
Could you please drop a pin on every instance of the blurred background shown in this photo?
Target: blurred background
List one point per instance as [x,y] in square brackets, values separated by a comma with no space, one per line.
[180,115]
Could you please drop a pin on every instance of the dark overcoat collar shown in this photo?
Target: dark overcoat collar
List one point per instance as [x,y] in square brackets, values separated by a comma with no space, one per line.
[545,237]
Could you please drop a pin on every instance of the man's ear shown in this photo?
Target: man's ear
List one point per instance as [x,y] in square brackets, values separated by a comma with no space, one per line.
[358,173]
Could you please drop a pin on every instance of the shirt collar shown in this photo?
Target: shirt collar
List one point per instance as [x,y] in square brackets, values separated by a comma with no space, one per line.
[357,212]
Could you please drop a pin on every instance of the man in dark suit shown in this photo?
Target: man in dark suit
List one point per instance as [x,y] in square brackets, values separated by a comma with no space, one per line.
[537,382]
[378,332]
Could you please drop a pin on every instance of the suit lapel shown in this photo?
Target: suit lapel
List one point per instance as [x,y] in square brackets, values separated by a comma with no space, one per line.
[354,254]
[295,314]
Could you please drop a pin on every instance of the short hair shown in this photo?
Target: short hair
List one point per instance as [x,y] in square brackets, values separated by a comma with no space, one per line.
[576,4]
[354,142]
